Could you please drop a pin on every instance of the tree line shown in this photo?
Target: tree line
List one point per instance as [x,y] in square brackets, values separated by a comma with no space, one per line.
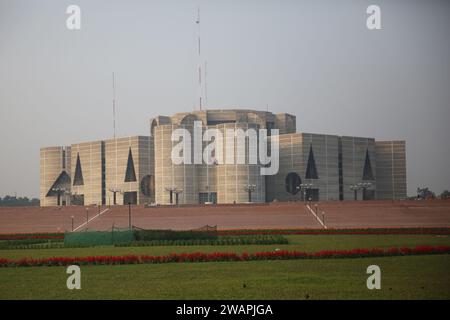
[13,201]
[426,193]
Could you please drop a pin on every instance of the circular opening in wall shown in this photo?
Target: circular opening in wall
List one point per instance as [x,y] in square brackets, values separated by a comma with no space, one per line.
[148,185]
[293,182]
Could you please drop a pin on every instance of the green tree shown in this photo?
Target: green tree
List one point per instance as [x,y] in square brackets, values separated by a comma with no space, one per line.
[425,193]
[13,201]
[445,194]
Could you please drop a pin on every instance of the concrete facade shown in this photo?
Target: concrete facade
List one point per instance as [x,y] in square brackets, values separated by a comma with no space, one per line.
[87,162]
[294,154]
[391,169]
[354,151]
[54,171]
[96,171]
[129,170]
[140,170]
[222,183]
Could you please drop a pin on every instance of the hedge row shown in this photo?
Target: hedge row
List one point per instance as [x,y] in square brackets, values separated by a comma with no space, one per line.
[228,240]
[26,243]
[23,236]
[47,245]
[222,256]
[224,240]
[150,235]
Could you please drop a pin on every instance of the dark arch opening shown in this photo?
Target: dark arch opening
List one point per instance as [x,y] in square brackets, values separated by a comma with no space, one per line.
[148,185]
[292,182]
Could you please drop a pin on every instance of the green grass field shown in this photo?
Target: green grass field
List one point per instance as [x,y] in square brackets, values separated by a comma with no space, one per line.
[408,277]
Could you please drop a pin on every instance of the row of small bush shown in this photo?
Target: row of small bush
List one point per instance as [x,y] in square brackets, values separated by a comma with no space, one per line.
[46,245]
[151,235]
[5,244]
[221,241]
[22,236]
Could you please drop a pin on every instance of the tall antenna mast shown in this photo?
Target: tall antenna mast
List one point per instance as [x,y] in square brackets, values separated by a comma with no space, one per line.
[206,87]
[114,105]
[199,61]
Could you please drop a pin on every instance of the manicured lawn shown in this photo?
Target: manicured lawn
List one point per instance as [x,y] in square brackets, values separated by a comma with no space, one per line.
[408,277]
[296,242]
[405,277]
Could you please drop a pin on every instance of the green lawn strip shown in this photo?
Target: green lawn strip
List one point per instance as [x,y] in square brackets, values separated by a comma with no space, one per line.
[80,243]
[408,277]
[308,243]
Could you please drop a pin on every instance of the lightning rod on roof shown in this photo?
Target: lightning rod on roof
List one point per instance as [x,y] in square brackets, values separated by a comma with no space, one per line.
[206,82]
[114,104]
[199,61]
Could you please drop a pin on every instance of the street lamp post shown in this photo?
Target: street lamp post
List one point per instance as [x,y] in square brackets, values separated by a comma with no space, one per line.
[364,187]
[303,188]
[87,217]
[72,221]
[170,190]
[360,186]
[176,191]
[250,188]
[354,187]
[114,192]
[59,192]
[129,215]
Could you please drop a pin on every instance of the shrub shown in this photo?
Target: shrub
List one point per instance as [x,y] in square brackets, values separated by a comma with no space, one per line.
[33,236]
[226,240]
[149,235]
[31,244]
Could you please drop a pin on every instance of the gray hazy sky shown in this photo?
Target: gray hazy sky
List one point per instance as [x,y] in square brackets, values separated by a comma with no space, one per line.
[314,59]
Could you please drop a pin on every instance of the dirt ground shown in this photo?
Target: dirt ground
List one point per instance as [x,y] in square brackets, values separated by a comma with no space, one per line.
[348,214]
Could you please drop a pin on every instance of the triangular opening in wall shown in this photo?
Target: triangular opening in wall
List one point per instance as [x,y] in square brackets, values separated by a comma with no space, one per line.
[311,170]
[78,178]
[130,174]
[367,173]
[60,184]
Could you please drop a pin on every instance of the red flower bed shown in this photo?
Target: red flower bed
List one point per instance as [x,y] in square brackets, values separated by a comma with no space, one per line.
[223,256]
